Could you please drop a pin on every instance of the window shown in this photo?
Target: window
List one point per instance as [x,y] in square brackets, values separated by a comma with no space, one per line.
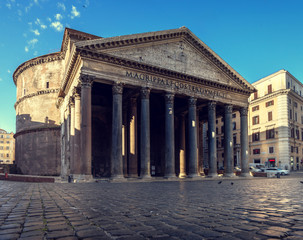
[7,148]
[292,149]
[234,115]
[271,149]
[269,116]
[297,133]
[7,141]
[222,141]
[47,84]
[292,132]
[256,151]
[216,121]
[1,148]
[7,155]
[255,120]
[1,136]
[297,149]
[302,134]
[270,133]
[290,114]
[296,118]
[222,129]
[288,84]
[217,131]
[269,89]
[257,160]
[256,137]
[217,142]
[270,103]
[255,108]
[234,126]
[256,95]
[295,104]
[289,101]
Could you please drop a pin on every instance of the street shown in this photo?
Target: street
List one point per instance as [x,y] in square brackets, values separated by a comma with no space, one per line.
[260,208]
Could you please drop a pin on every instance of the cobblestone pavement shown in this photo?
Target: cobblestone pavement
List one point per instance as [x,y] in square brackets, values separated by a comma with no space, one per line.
[246,209]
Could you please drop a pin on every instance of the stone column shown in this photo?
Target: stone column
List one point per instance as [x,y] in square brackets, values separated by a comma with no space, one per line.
[169,136]
[228,142]
[132,151]
[145,134]
[182,173]
[72,132]
[116,154]
[244,143]
[212,145]
[86,126]
[77,146]
[192,138]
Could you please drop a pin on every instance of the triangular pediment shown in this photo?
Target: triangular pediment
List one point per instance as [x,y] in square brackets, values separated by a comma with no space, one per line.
[178,50]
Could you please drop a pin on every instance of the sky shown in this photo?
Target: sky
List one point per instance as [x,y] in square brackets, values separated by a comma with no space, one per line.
[255,37]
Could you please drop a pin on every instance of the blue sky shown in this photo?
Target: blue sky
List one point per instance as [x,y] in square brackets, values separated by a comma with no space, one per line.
[256,37]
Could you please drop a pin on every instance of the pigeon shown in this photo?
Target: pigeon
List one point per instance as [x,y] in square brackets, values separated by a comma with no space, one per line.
[301,181]
[220,182]
[231,183]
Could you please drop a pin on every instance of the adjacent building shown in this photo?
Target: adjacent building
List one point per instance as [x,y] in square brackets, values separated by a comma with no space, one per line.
[276,121]
[128,106]
[7,147]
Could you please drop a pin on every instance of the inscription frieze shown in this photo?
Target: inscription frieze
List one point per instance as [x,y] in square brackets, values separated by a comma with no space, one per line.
[174,84]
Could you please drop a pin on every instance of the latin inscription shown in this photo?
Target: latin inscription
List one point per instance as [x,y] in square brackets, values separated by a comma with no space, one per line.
[176,85]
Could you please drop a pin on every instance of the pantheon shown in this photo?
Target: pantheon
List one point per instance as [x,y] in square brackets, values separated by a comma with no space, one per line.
[130,106]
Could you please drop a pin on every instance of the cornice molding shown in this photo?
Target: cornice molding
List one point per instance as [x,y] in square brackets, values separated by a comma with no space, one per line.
[274,94]
[54,128]
[105,57]
[36,61]
[41,92]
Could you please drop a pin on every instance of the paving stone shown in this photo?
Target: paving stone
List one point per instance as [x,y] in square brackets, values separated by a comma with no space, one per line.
[59,234]
[12,236]
[90,233]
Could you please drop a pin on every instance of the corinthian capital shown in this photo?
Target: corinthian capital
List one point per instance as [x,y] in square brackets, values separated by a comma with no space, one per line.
[86,80]
[244,111]
[228,109]
[117,88]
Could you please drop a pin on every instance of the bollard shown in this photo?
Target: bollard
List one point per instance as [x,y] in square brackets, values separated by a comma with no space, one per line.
[69,178]
[6,175]
[278,175]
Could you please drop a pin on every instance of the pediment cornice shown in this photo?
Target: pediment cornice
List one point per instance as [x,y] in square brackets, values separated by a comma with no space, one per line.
[181,33]
[105,57]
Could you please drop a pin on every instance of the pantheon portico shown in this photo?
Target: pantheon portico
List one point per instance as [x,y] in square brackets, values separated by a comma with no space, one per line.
[134,106]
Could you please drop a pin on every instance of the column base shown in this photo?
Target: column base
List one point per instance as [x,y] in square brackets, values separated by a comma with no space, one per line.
[145,176]
[212,175]
[247,175]
[182,175]
[78,178]
[117,178]
[230,175]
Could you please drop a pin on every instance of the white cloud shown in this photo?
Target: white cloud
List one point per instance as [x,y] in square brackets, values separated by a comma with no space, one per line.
[57,26]
[49,19]
[26,49]
[8,71]
[0,79]
[36,1]
[35,53]
[36,32]
[33,42]
[58,16]
[74,12]
[28,7]
[9,6]
[61,5]
[39,23]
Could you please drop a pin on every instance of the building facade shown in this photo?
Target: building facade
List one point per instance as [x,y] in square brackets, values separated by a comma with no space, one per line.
[7,147]
[128,106]
[276,121]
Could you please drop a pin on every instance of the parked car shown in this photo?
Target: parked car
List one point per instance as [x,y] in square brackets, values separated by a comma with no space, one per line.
[276,171]
[253,169]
